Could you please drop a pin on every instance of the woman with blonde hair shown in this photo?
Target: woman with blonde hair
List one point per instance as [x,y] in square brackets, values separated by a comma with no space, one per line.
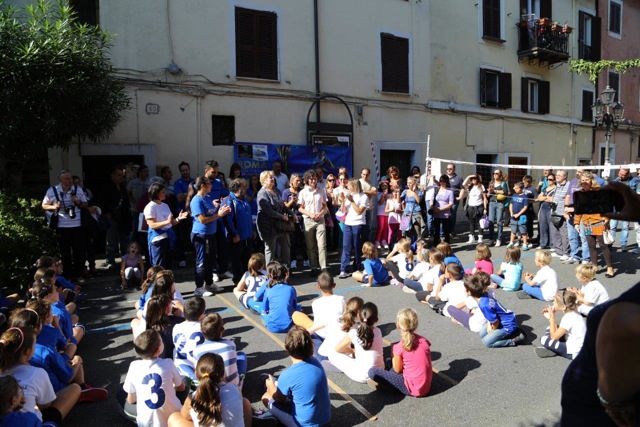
[272,219]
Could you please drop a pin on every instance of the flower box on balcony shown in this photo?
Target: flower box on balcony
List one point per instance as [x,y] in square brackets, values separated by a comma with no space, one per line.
[566,29]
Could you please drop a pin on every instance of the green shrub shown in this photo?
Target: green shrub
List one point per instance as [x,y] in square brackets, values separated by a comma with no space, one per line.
[24,237]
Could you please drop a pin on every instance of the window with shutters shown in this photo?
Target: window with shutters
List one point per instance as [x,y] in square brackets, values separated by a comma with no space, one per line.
[223,129]
[394,53]
[539,8]
[615,17]
[495,89]
[587,102]
[535,96]
[492,19]
[256,44]
[613,80]
[87,11]
[588,36]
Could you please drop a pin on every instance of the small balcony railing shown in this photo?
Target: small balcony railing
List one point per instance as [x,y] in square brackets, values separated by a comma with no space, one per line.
[542,42]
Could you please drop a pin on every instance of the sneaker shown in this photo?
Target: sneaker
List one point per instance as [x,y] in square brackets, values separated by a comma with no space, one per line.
[212,288]
[525,247]
[516,243]
[182,264]
[555,255]
[378,245]
[519,338]
[93,395]
[306,264]
[564,257]
[408,290]
[585,262]
[498,243]
[570,260]
[624,248]
[523,295]
[544,352]
[216,278]
[294,264]
[343,275]
[227,275]
[510,245]
[552,250]
[202,292]
[470,239]
[385,244]
[636,250]
[394,282]
[479,238]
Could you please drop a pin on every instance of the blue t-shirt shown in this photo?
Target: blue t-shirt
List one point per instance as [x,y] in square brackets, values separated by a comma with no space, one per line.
[238,221]
[518,202]
[305,383]
[64,319]
[202,206]
[22,419]
[512,276]
[452,258]
[52,337]
[493,310]
[374,267]
[179,187]
[59,371]
[279,304]
[410,203]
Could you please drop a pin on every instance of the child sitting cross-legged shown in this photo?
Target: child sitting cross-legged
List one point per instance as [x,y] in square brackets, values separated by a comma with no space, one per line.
[449,291]
[544,284]
[151,383]
[280,299]
[400,261]
[564,339]
[374,273]
[253,281]
[467,313]
[187,335]
[235,363]
[509,275]
[502,328]
[592,292]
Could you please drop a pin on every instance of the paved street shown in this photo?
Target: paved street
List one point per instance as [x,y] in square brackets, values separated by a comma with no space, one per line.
[472,385]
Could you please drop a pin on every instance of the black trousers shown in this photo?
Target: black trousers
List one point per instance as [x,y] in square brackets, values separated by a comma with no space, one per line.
[72,247]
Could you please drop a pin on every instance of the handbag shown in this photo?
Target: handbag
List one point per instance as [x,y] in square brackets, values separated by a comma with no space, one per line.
[285,226]
[607,236]
[53,220]
[405,222]
[484,222]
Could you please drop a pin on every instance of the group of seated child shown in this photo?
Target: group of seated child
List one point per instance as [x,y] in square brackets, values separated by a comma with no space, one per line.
[38,352]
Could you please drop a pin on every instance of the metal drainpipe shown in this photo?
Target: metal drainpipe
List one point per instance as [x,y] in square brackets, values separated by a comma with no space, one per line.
[317,56]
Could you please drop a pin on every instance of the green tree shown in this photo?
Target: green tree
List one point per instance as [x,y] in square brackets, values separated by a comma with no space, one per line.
[593,69]
[57,82]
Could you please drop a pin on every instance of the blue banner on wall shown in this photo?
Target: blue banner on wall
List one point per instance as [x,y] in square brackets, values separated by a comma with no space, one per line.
[253,158]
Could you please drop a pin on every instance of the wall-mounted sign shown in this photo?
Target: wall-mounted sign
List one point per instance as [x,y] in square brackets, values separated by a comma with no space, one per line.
[152,108]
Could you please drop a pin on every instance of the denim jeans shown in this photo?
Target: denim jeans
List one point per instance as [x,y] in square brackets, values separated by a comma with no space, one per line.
[496,213]
[534,291]
[574,239]
[624,235]
[497,338]
[544,224]
[454,217]
[351,239]
[584,244]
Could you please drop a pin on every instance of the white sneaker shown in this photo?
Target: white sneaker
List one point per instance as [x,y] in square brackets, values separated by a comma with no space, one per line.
[202,292]
[564,258]
[585,262]
[479,238]
[182,264]
[216,278]
[227,275]
[306,264]
[470,239]
[498,243]
[555,255]
[294,264]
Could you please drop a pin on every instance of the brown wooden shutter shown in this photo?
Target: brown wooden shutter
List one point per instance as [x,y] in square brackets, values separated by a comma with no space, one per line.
[524,94]
[246,50]
[524,8]
[402,62]
[596,29]
[504,82]
[545,9]
[256,44]
[587,102]
[394,52]
[483,87]
[267,46]
[544,89]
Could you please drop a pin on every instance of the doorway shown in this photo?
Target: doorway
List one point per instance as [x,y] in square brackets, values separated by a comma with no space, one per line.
[485,172]
[514,174]
[97,169]
[398,158]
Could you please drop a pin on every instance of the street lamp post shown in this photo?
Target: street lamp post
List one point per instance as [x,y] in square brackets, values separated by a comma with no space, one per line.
[607,113]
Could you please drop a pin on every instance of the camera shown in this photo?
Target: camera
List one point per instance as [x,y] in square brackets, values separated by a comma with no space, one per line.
[71,211]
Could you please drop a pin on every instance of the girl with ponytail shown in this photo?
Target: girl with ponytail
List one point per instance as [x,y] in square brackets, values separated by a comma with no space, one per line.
[214,403]
[366,352]
[411,373]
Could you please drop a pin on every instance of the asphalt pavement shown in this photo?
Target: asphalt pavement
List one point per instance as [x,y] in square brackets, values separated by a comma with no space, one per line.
[472,385]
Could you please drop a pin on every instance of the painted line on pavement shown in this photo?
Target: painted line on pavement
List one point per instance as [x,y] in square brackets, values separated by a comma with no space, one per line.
[277,340]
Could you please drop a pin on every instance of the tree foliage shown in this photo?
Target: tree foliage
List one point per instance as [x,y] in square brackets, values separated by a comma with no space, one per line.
[57,80]
[593,69]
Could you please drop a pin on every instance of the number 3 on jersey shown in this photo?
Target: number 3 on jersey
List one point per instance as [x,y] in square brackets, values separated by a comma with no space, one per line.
[156,389]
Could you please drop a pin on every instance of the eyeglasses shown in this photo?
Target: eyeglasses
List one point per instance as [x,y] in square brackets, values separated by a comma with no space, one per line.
[496,173]
[331,180]
[551,180]
[449,169]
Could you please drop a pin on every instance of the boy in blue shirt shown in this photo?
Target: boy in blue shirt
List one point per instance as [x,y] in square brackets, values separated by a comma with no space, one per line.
[374,272]
[301,395]
[517,210]
[502,327]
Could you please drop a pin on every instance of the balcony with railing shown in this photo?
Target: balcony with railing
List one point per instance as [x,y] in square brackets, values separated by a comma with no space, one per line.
[542,42]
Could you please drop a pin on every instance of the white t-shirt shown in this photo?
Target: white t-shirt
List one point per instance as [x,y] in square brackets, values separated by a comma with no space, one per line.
[66,197]
[154,383]
[231,408]
[36,387]
[333,335]
[394,217]
[420,270]
[353,218]
[327,310]
[477,320]
[159,212]
[252,283]
[595,294]
[311,200]
[453,293]
[366,359]
[547,279]
[186,337]
[475,195]
[432,278]
[402,262]
[282,182]
[576,327]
